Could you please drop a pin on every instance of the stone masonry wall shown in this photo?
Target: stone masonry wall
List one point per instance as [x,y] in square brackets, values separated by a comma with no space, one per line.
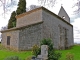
[30,36]
[14,38]
[26,35]
[29,18]
[51,30]
[62,13]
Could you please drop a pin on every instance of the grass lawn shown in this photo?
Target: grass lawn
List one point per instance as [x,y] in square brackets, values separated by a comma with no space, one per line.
[75,50]
[6,53]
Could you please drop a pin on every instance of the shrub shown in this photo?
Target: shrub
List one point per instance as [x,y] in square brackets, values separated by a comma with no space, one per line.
[28,58]
[69,56]
[47,42]
[52,55]
[35,50]
[12,58]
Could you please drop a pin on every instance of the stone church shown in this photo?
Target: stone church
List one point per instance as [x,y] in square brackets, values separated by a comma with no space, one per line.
[33,26]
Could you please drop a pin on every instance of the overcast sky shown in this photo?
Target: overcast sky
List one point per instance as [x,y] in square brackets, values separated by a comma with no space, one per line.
[75,19]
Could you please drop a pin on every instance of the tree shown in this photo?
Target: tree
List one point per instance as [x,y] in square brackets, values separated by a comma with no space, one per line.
[3,28]
[31,7]
[21,7]
[12,20]
[47,2]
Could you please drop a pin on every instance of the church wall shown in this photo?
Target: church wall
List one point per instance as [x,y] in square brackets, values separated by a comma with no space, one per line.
[51,30]
[29,18]
[30,36]
[14,37]
[30,31]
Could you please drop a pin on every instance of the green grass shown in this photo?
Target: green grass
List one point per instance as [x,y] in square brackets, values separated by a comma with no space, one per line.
[6,53]
[75,50]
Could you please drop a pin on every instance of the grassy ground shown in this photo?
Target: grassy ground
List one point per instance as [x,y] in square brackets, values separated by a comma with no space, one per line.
[6,53]
[75,50]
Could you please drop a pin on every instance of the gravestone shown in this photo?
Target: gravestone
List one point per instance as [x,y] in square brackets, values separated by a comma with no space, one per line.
[44,53]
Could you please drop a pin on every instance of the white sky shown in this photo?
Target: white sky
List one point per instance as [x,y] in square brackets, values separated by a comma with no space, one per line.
[65,3]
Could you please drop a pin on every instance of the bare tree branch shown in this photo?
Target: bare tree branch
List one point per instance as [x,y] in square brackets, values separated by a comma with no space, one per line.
[6,4]
[3,28]
[49,3]
[78,7]
[33,7]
